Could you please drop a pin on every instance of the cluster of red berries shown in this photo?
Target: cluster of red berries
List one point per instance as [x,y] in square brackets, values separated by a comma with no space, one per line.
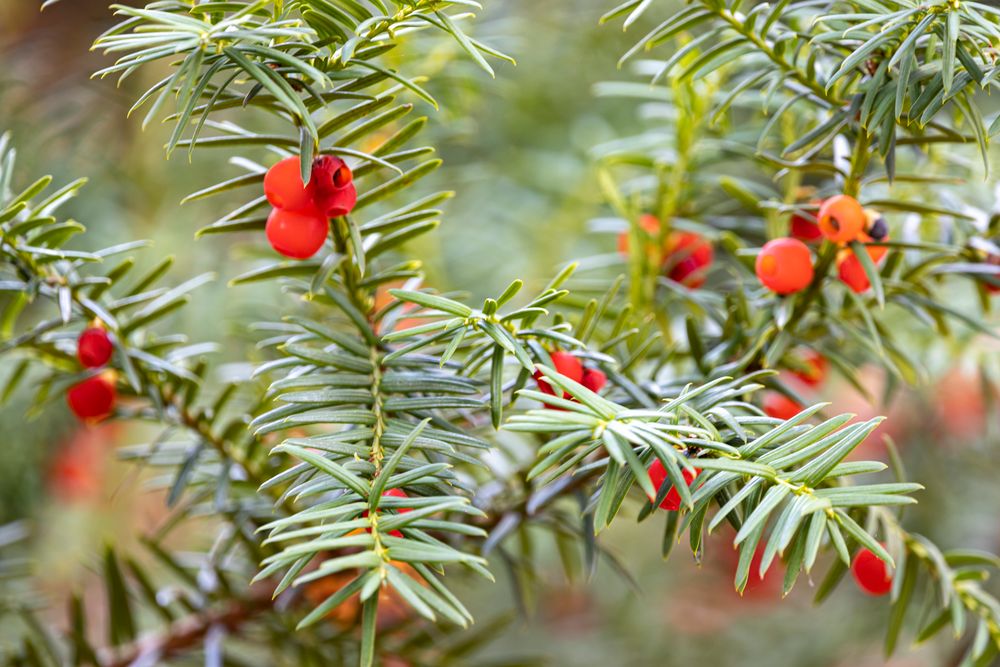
[871,573]
[571,367]
[785,265]
[686,256]
[810,374]
[300,222]
[94,398]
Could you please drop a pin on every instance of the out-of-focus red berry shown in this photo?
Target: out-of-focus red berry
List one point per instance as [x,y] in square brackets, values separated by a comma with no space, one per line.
[993,260]
[779,406]
[871,573]
[785,265]
[805,227]
[298,235]
[594,379]
[841,218]
[93,399]
[564,364]
[687,258]
[648,223]
[94,347]
[392,493]
[332,186]
[284,188]
[815,367]
[658,476]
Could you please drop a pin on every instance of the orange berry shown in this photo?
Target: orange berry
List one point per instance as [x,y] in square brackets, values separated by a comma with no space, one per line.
[284,188]
[298,235]
[658,476]
[871,573]
[779,406]
[841,218]
[648,223]
[785,265]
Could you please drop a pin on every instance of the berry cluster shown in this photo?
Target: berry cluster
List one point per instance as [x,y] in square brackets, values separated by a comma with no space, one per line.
[571,367]
[93,399]
[300,222]
[785,265]
[686,256]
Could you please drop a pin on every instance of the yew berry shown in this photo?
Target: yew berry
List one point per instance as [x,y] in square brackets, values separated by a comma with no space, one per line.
[871,573]
[392,493]
[841,218]
[298,235]
[813,369]
[594,379]
[93,399]
[804,226]
[565,364]
[785,265]
[993,288]
[687,259]
[852,272]
[284,188]
[94,347]
[332,186]
[658,476]
[779,406]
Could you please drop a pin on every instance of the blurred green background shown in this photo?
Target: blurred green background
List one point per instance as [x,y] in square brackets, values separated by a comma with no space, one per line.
[516,152]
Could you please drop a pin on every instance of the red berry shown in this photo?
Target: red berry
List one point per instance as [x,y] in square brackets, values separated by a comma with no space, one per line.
[394,493]
[852,273]
[332,186]
[871,573]
[658,476]
[687,258]
[594,379]
[565,364]
[296,235]
[93,399]
[993,260]
[779,406]
[804,225]
[785,265]
[815,366]
[841,218]
[94,347]
[284,188]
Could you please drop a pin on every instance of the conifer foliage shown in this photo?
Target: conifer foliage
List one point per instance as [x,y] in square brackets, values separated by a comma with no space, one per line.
[354,477]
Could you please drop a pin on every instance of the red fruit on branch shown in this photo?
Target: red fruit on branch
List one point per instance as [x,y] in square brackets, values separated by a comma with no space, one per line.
[784,265]
[594,379]
[871,573]
[93,399]
[779,406]
[658,476]
[851,271]
[805,227]
[298,235]
[841,218]
[392,493]
[94,347]
[687,259]
[814,367]
[565,364]
[332,186]
[648,223]
[284,188]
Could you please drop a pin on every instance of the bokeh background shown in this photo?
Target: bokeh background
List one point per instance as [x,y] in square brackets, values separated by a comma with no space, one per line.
[517,151]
